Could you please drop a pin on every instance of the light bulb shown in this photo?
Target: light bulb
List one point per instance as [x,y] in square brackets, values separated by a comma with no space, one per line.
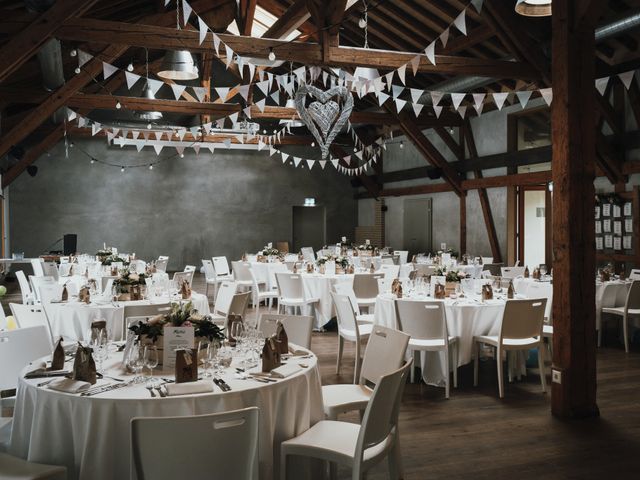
[130,67]
[118,105]
[121,169]
[272,54]
[182,155]
[313,144]
[264,132]
[355,149]
[77,70]
[401,144]
[150,167]
[71,144]
[93,161]
[362,23]
[73,52]
[149,126]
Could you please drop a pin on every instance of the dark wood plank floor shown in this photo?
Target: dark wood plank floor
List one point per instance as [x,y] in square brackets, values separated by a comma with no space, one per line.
[476,435]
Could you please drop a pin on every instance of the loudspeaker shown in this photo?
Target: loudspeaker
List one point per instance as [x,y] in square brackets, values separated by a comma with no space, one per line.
[434,173]
[70,243]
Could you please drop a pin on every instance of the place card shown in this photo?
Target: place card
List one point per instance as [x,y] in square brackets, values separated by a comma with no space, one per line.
[598,228]
[617,227]
[330,268]
[606,226]
[628,225]
[606,209]
[176,338]
[627,209]
[617,243]
[599,243]
[617,212]
[597,212]
[626,242]
[608,241]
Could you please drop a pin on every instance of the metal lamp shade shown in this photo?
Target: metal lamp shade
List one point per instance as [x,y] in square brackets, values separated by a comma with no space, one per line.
[534,8]
[178,65]
[152,115]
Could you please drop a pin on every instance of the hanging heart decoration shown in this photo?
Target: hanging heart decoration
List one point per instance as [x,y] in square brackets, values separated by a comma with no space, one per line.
[326,114]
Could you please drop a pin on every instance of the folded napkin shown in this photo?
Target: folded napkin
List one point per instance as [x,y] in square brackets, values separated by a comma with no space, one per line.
[189,388]
[36,368]
[297,351]
[286,370]
[68,385]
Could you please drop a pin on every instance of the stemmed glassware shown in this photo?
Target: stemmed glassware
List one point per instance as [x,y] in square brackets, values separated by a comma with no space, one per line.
[151,358]
[100,348]
[135,361]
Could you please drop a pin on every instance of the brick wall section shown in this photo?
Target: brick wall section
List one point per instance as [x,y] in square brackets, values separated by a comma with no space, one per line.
[375,233]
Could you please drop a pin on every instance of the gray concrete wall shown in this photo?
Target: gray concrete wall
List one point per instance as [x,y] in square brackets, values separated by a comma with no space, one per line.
[187,208]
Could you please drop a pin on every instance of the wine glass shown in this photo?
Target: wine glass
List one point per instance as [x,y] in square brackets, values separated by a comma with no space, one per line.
[99,346]
[151,358]
[210,358]
[543,270]
[135,361]
[237,330]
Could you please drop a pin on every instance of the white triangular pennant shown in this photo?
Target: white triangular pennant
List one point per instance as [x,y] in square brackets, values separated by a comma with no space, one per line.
[186,12]
[216,44]
[296,161]
[462,110]
[430,52]
[200,92]
[334,162]
[83,57]
[444,37]
[416,93]
[203,30]
[261,104]
[196,148]
[310,163]
[227,142]
[323,163]
[400,104]
[417,108]
[132,78]
[243,90]
[382,97]
[436,97]
[402,72]
[415,63]
[397,90]
[139,145]
[95,128]
[229,55]
[523,97]
[158,148]
[154,85]
[499,99]
[601,84]
[177,90]
[461,23]
[234,118]
[456,99]
[108,69]
[547,95]
[276,97]
[222,92]
[478,101]
[626,78]
[247,111]
[437,110]
[477,4]
[264,87]
[180,150]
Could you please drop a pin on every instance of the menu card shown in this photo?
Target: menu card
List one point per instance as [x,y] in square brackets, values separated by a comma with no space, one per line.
[599,243]
[330,268]
[608,241]
[626,242]
[617,211]
[606,210]
[617,243]
[627,209]
[598,228]
[597,212]
[628,225]
[176,338]
[617,227]
[606,226]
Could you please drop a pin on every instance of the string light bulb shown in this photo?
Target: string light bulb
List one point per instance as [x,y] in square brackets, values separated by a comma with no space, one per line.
[401,145]
[151,167]
[121,169]
[313,144]
[182,155]
[149,126]
[362,23]
[73,52]
[118,105]
[77,70]
[130,67]
[93,160]
[272,54]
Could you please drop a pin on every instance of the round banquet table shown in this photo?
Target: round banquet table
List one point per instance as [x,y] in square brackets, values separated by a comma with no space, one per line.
[71,320]
[472,271]
[265,272]
[317,285]
[90,435]
[466,318]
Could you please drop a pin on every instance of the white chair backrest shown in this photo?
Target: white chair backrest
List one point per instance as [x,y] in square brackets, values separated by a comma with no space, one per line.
[365,285]
[163,257]
[18,348]
[106,284]
[36,263]
[381,415]
[298,327]
[132,311]
[422,319]
[180,277]
[384,285]
[209,271]
[424,270]
[403,254]
[345,314]
[633,297]
[239,304]
[3,320]
[50,269]
[31,316]
[161,263]
[221,266]
[189,268]
[25,289]
[225,296]
[635,274]
[343,288]
[390,271]
[486,260]
[37,282]
[50,293]
[512,272]
[225,443]
[307,254]
[384,354]
[241,271]
[523,318]
[277,268]
[64,260]
[542,290]
[290,285]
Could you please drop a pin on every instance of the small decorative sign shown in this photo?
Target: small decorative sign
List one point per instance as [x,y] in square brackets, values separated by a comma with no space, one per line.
[599,243]
[606,226]
[617,227]
[598,228]
[628,225]
[606,210]
[617,243]
[176,338]
[626,242]
[617,213]
[627,209]
[608,241]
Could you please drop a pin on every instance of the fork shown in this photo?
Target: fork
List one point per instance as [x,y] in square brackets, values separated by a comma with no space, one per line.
[160,391]
[150,388]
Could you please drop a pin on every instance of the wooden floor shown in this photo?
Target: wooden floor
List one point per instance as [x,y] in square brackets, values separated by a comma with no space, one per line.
[476,435]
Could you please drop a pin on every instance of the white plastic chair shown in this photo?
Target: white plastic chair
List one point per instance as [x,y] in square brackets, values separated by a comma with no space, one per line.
[343,288]
[36,264]
[18,348]
[348,329]
[189,268]
[512,272]
[365,286]
[486,260]
[241,274]
[544,290]
[358,447]
[161,263]
[221,273]
[308,254]
[221,445]
[630,308]
[384,354]
[298,327]
[180,277]
[261,295]
[50,269]
[635,274]
[50,293]
[403,254]
[25,289]
[31,316]
[223,301]
[521,329]
[209,275]
[291,292]
[389,271]
[426,323]
[37,282]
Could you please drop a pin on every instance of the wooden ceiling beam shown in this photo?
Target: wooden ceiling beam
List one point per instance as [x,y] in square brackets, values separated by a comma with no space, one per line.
[148,36]
[246,13]
[28,41]
[292,19]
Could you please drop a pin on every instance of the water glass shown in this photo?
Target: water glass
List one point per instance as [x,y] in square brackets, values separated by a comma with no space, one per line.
[151,358]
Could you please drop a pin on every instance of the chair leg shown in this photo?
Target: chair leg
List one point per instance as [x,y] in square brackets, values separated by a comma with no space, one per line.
[340,348]
[455,365]
[600,337]
[396,472]
[625,333]
[283,466]
[543,376]
[356,372]
[412,373]
[333,471]
[500,373]
[447,373]
[509,365]
[476,360]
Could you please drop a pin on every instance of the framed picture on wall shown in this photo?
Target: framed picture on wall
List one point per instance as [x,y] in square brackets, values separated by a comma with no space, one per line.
[599,243]
[617,227]
[628,225]
[617,243]
[597,212]
[617,211]
[626,242]
[598,228]
[606,225]
[608,241]
[606,209]
[627,209]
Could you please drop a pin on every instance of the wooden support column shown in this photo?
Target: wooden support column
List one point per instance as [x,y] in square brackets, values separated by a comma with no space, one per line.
[573,165]
[463,224]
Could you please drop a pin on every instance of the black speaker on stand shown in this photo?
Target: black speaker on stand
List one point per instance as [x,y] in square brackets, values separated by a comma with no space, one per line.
[70,243]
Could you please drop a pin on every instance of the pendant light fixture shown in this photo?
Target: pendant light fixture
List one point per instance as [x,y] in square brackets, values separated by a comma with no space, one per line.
[534,8]
[178,64]
[148,94]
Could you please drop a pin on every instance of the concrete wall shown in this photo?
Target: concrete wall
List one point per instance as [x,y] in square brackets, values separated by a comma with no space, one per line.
[188,208]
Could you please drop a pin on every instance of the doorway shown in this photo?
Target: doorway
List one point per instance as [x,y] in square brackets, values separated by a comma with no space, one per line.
[534,232]
[417,225]
[309,228]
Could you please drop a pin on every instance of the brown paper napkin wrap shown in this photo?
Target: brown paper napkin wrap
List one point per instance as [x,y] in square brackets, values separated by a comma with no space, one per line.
[439,291]
[65,293]
[84,295]
[396,288]
[487,292]
[186,365]
[57,359]
[270,355]
[84,368]
[185,290]
[309,268]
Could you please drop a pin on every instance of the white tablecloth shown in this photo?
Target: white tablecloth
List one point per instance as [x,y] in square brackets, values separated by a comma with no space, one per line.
[465,319]
[265,272]
[91,435]
[317,285]
[473,271]
[72,319]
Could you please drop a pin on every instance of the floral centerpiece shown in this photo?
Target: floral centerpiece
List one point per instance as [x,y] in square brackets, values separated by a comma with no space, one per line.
[103,253]
[113,258]
[271,252]
[452,277]
[367,247]
[450,251]
[130,284]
